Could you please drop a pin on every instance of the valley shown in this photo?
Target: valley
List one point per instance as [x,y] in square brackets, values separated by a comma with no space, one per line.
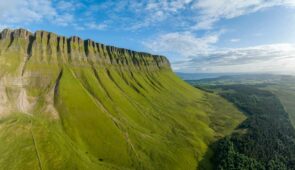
[265,140]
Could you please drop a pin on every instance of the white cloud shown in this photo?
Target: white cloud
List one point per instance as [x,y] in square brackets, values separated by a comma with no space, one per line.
[234,40]
[137,14]
[264,58]
[211,11]
[193,53]
[185,15]
[184,44]
[64,20]
[182,15]
[16,11]
[95,26]
[22,12]
[68,5]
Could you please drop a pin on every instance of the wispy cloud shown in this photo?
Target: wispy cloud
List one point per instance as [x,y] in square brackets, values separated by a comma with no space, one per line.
[15,11]
[264,58]
[138,14]
[234,40]
[64,20]
[199,54]
[68,5]
[211,11]
[195,14]
[96,26]
[184,44]
[158,11]
[186,15]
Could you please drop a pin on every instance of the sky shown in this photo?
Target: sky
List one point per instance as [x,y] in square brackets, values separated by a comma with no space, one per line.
[213,36]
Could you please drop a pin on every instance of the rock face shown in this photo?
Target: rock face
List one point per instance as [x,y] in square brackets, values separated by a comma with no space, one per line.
[23,54]
[58,49]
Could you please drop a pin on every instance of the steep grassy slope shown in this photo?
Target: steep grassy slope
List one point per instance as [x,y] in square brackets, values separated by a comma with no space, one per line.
[73,104]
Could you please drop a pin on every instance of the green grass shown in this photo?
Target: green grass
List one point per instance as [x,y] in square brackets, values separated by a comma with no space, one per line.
[105,123]
[106,117]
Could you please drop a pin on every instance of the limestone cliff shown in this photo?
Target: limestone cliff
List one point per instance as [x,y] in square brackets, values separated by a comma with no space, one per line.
[51,48]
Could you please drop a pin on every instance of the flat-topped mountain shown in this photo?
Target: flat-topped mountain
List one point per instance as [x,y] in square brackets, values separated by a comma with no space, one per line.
[49,46]
[66,103]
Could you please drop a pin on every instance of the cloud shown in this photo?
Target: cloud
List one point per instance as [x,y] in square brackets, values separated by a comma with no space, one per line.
[234,40]
[138,14]
[68,5]
[264,58]
[184,44]
[184,15]
[181,15]
[95,26]
[152,11]
[199,54]
[211,11]
[64,20]
[15,11]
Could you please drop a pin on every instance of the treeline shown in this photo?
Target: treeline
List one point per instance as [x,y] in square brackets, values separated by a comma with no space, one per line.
[265,140]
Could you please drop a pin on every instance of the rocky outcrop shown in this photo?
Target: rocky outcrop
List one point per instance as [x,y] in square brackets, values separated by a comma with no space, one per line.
[51,47]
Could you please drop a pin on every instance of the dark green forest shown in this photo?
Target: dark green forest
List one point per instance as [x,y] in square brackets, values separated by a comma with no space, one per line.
[265,140]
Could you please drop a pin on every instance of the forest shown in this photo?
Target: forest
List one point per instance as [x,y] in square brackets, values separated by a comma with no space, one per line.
[265,140]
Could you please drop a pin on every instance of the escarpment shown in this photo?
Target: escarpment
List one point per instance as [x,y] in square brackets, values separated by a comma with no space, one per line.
[31,63]
[66,103]
[52,48]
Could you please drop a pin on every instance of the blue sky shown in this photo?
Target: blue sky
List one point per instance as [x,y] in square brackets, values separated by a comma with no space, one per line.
[196,35]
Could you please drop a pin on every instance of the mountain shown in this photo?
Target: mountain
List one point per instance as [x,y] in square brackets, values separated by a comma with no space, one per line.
[67,103]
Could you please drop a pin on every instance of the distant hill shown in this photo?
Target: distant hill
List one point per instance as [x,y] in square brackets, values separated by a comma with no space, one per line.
[199,76]
[247,79]
[281,85]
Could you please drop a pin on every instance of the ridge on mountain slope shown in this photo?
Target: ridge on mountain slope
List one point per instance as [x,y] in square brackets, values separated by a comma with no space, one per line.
[73,104]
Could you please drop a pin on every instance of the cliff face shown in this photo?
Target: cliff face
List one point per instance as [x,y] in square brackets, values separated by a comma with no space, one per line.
[31,62]
[49,47]
[66,103]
